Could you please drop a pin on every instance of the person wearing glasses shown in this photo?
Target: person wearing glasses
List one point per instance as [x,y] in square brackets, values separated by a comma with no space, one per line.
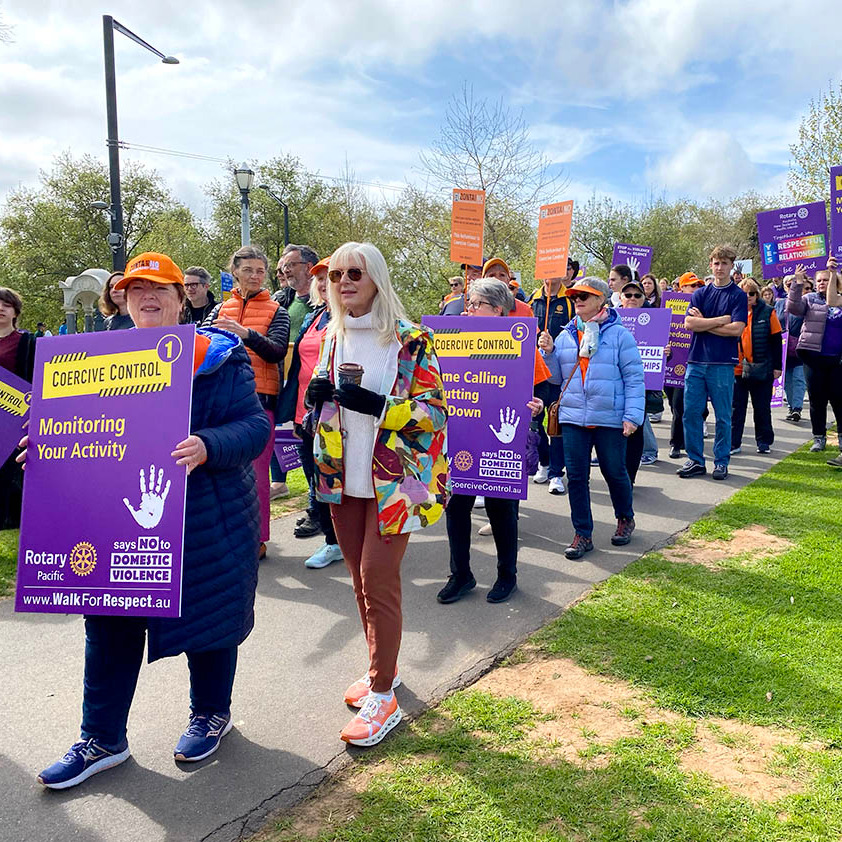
[601,405]
[200,301]
[760,353]
[263,325]
[381,463]
[457,288]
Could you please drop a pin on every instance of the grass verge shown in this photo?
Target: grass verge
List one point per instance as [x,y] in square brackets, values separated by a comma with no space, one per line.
[710,704]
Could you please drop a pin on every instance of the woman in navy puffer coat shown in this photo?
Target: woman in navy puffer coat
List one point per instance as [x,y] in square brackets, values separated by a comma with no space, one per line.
[228,429]
[602,403]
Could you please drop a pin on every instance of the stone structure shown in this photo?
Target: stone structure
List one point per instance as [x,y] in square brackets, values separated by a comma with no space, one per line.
[82,290]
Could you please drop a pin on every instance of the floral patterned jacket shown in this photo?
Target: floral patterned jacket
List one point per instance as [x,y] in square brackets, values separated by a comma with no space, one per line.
[409,470]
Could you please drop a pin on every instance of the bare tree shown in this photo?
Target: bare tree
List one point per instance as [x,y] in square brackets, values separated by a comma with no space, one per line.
[486,146]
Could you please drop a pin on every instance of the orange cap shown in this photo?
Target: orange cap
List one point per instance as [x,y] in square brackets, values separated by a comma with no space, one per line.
[152,266]
[322,264]
[495,261]
[689,278]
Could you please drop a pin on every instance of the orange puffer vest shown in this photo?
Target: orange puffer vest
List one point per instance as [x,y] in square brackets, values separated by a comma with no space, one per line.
[256,313]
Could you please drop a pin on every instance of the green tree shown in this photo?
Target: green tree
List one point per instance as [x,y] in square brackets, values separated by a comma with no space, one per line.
[819,147]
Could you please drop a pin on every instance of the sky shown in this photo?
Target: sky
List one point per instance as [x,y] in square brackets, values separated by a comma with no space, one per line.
[696,98]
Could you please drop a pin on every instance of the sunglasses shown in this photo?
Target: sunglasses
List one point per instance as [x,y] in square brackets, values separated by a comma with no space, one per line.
[632,295]
[698,285]
[354,275]
[456,284]
[581,296]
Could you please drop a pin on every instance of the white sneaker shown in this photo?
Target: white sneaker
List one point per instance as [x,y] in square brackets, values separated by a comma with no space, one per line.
[479,503]
[326,554]
[484,530]
[557,486]
[541,475]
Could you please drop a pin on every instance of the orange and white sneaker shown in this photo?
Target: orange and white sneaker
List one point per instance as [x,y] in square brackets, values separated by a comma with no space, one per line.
[356,693]
[376,718]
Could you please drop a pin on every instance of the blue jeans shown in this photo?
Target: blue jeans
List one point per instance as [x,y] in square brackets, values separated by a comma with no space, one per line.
[650,443]
[610,445]
[795,386]
[550,450]
[113,655]
[702,382]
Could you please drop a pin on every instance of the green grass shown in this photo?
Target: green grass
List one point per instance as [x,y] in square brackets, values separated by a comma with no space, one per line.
[297,484]
[8,559]
[698,641]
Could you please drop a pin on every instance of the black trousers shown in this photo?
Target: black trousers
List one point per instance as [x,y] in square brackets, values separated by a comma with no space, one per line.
[824,385]
[675,396]
[503,517]
[634,450]
[760,392]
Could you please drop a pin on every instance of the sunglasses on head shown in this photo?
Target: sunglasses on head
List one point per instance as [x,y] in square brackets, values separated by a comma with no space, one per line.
[581,296]
[354,274]
[632,295]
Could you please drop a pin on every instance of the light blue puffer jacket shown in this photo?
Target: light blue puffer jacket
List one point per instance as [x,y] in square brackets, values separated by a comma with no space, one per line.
[613,390]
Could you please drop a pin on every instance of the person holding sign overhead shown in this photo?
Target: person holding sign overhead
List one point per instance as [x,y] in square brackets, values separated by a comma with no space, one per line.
[601,405]
[380,457]
[228,430]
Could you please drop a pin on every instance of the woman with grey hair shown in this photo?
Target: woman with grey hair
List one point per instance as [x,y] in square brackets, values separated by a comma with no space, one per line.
[601,405]
[486,297]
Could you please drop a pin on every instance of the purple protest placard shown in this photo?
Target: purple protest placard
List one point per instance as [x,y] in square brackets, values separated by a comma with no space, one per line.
[792,236]
[102,527]
[637,258]
[286,449]
[778,383]
[488,368]
[836,213]
[15,394]
[650,328]
[679,340]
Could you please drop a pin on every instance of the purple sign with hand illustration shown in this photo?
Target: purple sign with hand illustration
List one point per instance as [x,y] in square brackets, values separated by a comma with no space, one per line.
[679,341]
[836,213]
[792,236]
[488,368]
[15,394]
[650,327]
[637,258]
[102,528]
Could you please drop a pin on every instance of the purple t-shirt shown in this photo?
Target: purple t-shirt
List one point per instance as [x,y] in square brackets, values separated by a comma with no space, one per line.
[832,339]
[712,301]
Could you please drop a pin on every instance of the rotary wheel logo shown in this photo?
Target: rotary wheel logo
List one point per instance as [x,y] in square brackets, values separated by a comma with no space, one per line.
[644,319]
[679,369]
[803,213]
[463,460]
[83,558]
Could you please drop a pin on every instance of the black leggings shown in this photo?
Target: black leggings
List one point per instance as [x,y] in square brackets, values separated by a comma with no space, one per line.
[824,385]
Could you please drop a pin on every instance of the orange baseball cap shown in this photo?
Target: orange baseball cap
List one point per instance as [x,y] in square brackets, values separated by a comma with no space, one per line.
[151,266]
[495,261]
[322,264]
[689,278]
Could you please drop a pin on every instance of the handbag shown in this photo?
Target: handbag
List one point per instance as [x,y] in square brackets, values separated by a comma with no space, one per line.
[553,426]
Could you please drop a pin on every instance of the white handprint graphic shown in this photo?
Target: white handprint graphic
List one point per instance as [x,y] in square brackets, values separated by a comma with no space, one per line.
[509,421]
[151,509]
[634,265]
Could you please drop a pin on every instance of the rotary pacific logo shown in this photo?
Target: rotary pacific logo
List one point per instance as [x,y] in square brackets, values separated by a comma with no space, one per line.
[83,558]
[679,369]
[802,213]
[463,460]
[644,319]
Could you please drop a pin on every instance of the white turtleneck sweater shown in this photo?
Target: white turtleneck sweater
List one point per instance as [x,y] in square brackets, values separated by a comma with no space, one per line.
[362,345]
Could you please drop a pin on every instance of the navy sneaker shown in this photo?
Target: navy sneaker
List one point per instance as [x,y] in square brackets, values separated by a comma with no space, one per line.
[85,758]
[203,736]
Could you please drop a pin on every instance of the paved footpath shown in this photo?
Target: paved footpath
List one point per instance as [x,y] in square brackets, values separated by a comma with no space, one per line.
[306,647]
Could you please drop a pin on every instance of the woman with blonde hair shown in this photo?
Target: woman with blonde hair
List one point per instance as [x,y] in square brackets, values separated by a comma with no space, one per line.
[381,464]
[112,305]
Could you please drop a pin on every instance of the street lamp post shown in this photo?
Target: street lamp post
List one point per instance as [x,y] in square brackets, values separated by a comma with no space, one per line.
[245,180]
[116,239]
[283,204]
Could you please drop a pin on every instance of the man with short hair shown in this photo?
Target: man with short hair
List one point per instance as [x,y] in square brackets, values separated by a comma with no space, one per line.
[41,330]
[199,301]
[296,263]
[285,293]
[717,315]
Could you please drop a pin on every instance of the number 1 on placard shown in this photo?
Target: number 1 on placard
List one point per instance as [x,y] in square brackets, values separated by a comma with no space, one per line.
[168,346]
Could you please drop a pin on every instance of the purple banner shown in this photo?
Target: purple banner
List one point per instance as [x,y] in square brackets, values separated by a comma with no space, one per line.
[778,384]
[637,258]
[15,395]
[102,528]
[286,449]
[836,213]
[792,236]
[488,367]
[650,328]
[679,343]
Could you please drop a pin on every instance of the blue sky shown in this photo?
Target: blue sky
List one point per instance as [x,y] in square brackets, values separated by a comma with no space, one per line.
[696,99]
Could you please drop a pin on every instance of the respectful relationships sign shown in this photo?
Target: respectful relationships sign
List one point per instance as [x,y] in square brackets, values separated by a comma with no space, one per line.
[792,236]
[650,328]
[102,527]
[487,365]
[15,395]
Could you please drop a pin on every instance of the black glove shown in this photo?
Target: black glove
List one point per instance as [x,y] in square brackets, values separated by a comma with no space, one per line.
[357,399]
[319,391]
